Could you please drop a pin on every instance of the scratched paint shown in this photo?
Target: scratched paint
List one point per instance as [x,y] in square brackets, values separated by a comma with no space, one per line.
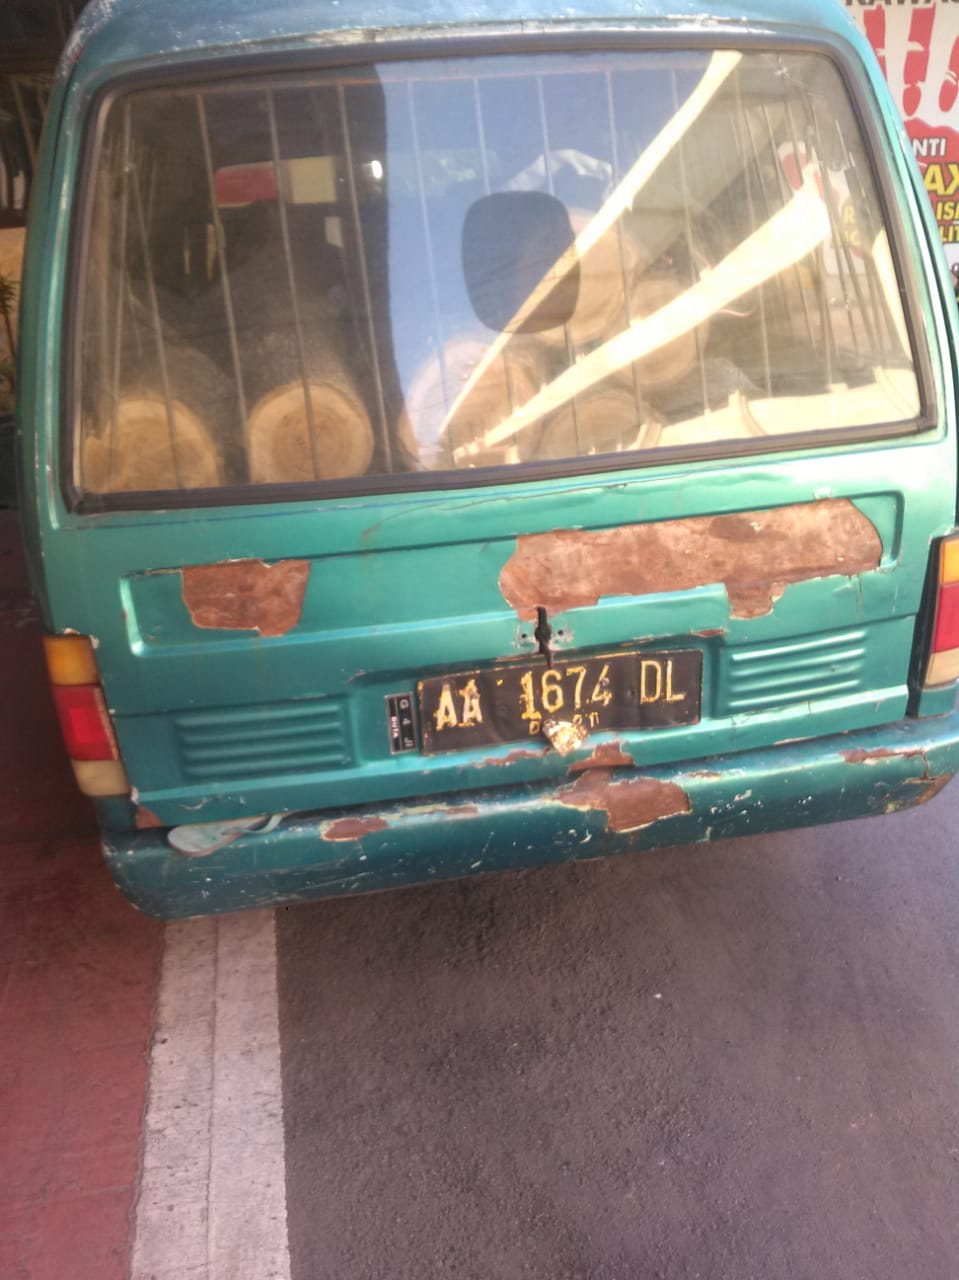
[859,756]
[755,555]
[417,812]
[246,595]
[629,804]
[513,757]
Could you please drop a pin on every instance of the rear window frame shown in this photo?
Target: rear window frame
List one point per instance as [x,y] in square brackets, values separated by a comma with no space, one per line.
[244,68]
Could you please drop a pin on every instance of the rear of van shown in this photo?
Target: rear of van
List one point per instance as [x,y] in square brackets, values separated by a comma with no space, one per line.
[449,453]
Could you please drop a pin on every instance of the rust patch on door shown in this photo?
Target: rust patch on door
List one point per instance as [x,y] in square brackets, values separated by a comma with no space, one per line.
[606,755]
[246,595]
[630,804]
[755,555]
[353,828]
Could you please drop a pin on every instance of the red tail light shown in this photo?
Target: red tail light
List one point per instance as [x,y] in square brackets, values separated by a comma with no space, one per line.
[943,665]
[946,635]
[84,718]
[85,722]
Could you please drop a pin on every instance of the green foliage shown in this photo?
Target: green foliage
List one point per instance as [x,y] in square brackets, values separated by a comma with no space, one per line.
[8,295]
[8,346]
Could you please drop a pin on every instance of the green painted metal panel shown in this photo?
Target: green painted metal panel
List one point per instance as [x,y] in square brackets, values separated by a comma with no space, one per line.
[342,852]
[111,32]
[216,722]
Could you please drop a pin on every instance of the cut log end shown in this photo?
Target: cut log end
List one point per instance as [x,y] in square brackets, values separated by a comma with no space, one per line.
[279,431]
[148,448]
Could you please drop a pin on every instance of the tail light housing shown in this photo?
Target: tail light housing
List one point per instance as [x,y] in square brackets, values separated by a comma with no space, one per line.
[942,666]
[84,719]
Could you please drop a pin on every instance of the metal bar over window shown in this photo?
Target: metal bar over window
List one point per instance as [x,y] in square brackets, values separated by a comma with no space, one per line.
[762,158]
[800,153]
[121,285]
[547,165]
[777,325]
[291,280]
[620,236]
[784,196]
[364,277]
[841,249]
[220,237]
[158,331]
[484,163]
[860,209]
[431,267]
[740,129]
[687,218]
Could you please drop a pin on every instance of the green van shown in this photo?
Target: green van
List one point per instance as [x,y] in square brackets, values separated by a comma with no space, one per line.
[461,439]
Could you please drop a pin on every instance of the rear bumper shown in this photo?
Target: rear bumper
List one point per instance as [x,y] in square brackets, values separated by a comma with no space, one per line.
[590,814]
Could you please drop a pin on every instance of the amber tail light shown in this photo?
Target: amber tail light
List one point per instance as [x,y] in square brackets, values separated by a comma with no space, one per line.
[83,715]
[943,664]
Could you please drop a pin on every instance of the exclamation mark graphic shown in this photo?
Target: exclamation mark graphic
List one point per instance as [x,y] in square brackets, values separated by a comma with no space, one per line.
[950,85]
[916,65]
[874,21]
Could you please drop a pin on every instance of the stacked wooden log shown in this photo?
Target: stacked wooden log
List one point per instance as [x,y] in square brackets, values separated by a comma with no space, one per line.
[306,417]
[157,428]
[277,402]
[260,385]
[150,445]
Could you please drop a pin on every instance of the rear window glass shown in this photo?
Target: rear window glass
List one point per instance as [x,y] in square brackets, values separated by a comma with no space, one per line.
[443,265]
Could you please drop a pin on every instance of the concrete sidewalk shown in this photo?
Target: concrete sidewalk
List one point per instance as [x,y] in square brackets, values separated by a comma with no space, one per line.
[78,969]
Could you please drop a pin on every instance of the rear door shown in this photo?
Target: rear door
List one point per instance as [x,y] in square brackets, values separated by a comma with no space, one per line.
[442,417]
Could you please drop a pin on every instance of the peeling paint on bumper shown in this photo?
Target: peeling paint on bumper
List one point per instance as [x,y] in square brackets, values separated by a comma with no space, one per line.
[800,784]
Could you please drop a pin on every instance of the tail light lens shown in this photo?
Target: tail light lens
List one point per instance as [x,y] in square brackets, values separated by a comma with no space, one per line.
[85,722]
[84,718]
[943,664]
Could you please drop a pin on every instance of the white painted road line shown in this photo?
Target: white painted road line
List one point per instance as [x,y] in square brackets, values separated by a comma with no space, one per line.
[212,1200]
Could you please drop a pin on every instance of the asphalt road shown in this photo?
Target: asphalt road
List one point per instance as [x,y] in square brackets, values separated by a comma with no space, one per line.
[738,1060]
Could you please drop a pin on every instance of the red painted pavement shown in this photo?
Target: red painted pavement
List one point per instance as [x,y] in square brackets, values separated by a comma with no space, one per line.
[77,973]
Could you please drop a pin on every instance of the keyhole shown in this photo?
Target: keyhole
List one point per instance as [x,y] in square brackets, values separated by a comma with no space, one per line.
[543,634]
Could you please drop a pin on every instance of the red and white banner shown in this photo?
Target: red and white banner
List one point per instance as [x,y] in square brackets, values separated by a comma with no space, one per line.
[917,45]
